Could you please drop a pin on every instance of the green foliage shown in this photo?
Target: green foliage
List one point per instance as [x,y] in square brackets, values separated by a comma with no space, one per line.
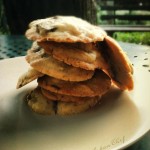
[133,37]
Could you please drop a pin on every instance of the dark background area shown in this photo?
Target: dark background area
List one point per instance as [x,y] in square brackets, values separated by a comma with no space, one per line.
[19,13]
[15,15]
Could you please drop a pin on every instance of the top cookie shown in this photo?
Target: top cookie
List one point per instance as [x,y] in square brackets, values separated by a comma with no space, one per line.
[64,29]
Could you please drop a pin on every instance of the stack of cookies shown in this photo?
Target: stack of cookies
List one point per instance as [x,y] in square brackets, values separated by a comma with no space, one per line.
[75,63]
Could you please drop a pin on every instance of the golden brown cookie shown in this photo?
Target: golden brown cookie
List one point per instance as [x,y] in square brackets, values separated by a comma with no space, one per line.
[28,77]
[83,55]
[65,98]
[40,104]
[69,108]
[64,29]
[96,86]
[46,64]
[120,68]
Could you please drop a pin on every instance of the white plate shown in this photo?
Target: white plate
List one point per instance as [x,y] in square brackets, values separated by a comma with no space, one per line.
[121,119]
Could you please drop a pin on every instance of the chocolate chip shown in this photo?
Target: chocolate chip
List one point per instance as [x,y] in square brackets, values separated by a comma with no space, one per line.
[55,104]
[146,59]
[52,29]
[135,56]
[28,97]
[37,49]
[37,28]
[55,86]
[145,65]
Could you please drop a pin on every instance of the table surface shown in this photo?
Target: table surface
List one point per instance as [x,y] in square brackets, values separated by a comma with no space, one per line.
[17,45]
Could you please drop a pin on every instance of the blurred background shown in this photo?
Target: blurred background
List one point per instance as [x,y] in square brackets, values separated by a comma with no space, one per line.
[125,20]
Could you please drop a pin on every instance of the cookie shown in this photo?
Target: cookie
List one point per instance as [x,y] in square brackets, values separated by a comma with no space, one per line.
[96,86]
[65,98]
[69,108]
[28,77]
[46,64]
[64,29]
[41,105]
[120,68]
[82,55]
